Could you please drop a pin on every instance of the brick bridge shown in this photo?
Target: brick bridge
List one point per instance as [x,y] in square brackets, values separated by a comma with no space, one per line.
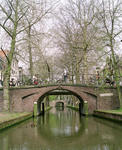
[23,98]
[56,102]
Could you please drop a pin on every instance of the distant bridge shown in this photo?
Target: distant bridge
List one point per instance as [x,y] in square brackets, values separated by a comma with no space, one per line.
[59,103]
[23,98]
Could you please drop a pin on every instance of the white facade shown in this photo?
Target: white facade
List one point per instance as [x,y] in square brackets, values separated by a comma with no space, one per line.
[15,73]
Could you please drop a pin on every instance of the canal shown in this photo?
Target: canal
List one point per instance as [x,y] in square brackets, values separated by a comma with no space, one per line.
[62,129]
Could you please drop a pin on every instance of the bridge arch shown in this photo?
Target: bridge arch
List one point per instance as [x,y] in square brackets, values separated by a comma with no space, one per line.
[23,98]
[80,95]
[58,103]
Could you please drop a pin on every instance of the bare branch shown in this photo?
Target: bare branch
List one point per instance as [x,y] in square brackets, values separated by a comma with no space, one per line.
[8,16]
[22,15]
[5,55]
[39,18]
[7,30]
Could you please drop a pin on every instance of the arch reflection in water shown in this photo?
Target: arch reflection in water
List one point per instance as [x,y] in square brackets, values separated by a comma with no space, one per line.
[61,123]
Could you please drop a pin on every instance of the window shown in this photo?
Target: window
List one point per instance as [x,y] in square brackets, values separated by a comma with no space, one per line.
[12,71]
[1,64]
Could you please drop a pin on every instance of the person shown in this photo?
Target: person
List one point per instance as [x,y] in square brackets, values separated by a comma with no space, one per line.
[35,82]
[65,75]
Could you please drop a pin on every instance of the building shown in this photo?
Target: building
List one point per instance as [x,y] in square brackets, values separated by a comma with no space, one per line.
[16,71]
[14,74]
[2,65]
[20,76]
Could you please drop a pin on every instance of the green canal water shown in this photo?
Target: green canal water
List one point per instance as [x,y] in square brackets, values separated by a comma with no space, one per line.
[63,129]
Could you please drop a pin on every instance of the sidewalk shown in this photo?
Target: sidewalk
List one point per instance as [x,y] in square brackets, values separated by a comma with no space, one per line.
[8,119]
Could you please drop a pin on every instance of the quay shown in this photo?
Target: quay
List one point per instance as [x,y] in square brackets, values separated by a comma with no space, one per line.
[115,115]
[9,119]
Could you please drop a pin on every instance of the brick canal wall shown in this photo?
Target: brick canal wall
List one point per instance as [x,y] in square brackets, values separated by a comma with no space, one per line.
[11,121]
[108,115]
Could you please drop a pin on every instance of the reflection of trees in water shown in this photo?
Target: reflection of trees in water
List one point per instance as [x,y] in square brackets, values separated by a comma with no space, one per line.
[79,130]
[63,128]
[59,108]
[65,122]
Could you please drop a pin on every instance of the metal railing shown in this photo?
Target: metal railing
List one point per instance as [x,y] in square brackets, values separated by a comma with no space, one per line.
[41,79]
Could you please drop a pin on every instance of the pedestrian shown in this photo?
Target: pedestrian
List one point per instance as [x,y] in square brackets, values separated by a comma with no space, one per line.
[36,82]
[65,75]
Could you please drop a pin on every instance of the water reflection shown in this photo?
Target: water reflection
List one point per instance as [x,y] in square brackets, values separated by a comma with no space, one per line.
[62,129]
[61,123]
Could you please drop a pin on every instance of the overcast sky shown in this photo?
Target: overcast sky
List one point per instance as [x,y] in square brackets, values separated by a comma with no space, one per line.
[5,43]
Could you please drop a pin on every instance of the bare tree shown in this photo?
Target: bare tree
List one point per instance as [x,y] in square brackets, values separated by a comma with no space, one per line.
[76,36]
[110,13]
[12,12]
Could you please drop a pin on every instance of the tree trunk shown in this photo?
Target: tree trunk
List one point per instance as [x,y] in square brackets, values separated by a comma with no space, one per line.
[77,71]
[30,52]
[7,71]
[7,78]
[85,65]
[85,68]
[6,92]
[116,76]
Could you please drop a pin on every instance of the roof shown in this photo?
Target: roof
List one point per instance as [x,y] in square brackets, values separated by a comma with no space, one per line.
[3,57]
[2,54]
